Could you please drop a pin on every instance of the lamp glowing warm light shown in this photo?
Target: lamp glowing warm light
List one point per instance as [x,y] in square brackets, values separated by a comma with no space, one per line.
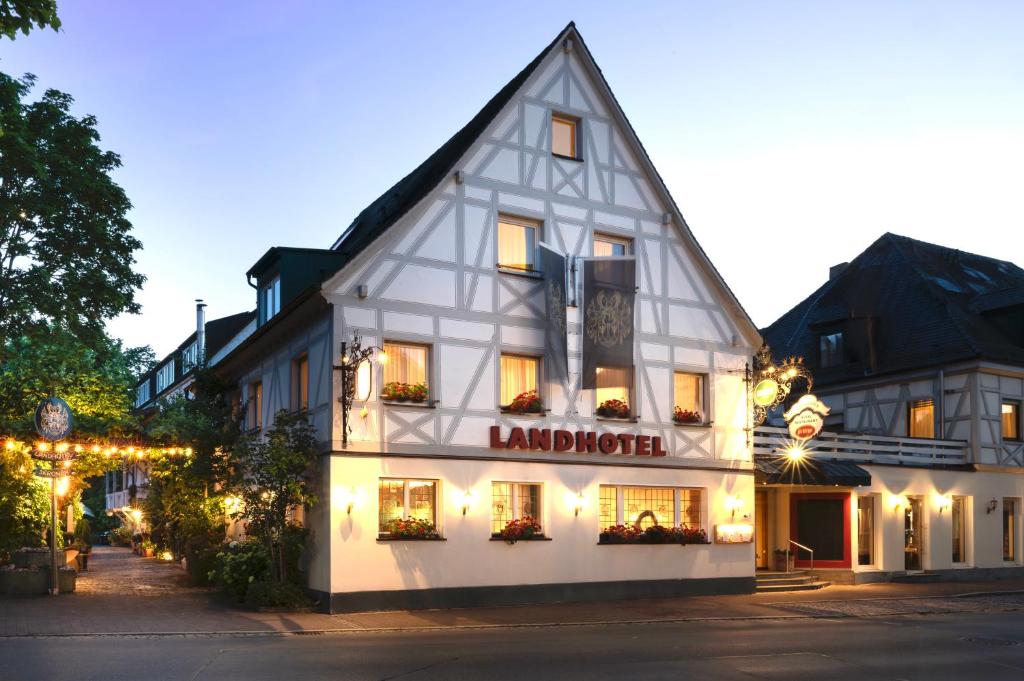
[232,505]
[734,503]
[900,501]
[346,498]
[136,515]
[795,453]
[62,486]
[166,555]
[466,500]
[943,501]
[575,502]
[9,445]
[43,446]
[62,447]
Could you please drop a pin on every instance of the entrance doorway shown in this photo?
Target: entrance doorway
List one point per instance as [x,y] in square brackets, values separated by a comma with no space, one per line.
[761,529]
[821,522]
[913,537]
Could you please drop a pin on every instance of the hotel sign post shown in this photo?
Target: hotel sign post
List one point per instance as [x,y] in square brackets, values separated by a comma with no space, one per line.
[53,422]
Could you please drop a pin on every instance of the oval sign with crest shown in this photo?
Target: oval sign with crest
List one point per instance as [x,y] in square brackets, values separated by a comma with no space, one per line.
[53,419]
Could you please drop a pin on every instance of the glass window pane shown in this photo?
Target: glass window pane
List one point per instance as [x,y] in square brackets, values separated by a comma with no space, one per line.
[517,244]
[422,494]
[646,506]
[1009,529]
[959,530]
[689,392]
[392,500]
[303,371]
[563,137]
[604,246]
[612,384]
[501,505]
[518,375]
[405,363]
[865,530]
[609,506]
[1011,420]
[689,512]
[922,419]
[528,501]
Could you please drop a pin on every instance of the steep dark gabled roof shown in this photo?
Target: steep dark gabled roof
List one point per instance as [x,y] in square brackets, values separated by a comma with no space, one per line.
[414,187]
[921,305]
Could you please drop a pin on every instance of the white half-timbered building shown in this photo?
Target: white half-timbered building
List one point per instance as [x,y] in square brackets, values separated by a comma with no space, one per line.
[441,274]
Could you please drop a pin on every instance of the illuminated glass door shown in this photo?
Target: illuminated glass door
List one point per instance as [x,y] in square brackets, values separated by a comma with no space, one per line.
[913,548]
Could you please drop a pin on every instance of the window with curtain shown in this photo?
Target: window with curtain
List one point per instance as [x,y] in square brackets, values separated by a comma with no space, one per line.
[517,243]
[613,383]
[518,375]
[609,245]
[406,363]
[922,419]
[609,506]
[563,135]
[301,397]
[1011,420]
[865,530]
[398,499]
[513,501]
[689,392]
[646,506]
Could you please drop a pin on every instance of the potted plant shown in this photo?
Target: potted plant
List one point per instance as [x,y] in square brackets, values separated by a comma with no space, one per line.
[528,402]
[687,417]
[410,528]
[525,528]
[613,409]
[147,549]
[619,534]
[396,391]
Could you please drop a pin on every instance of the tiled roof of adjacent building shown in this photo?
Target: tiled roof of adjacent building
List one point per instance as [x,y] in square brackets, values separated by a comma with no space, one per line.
[905,304]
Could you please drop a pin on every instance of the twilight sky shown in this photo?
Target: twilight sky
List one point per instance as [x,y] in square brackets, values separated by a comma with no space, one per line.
[791,135]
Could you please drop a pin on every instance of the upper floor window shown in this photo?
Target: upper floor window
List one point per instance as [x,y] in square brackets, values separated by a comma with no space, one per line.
[254,406]
[517,243]
[270,299]
[165,376]
[142,394]
[405,371]
[610,245]
[830,349]
[563,135]
[519,374]
[922,419]
[189,357]
[300,397]
[1011,420]
[689,397]
[612,396]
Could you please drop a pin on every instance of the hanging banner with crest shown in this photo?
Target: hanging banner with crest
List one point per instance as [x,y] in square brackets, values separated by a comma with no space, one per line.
[609,295]
[556,343]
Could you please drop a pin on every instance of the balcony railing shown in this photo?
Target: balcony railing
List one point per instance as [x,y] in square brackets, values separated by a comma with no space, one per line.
[908,451]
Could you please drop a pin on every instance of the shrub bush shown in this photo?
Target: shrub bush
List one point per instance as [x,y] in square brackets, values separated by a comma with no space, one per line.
[239,564]
[276,595]
[200,560]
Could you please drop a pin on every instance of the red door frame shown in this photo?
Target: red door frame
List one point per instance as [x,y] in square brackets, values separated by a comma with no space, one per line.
[799,562]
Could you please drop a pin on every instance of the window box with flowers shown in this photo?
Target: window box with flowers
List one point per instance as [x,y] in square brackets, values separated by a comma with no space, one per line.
[653,534]
[614,409]
[410,529]
[528,402]
[687,417]
[396,391]
[520,529]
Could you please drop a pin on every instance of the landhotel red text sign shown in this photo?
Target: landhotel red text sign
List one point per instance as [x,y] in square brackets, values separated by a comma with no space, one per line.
[582,442]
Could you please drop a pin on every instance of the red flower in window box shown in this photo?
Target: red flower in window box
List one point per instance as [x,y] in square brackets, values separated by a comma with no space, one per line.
[411,528]
[526,403]
[524,528]
[613,409]
[680,415]
[404,392]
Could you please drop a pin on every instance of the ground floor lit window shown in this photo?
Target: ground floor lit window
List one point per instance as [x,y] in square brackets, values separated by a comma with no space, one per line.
[407,499]
[514,501]
[959,518]
[646,506]
[865,531]
[1010,530]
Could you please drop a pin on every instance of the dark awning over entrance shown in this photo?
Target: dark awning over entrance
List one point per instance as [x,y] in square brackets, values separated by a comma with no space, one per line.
[810,472]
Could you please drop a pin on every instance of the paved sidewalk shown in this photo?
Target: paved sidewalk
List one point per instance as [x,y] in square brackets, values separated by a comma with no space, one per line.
[125,594]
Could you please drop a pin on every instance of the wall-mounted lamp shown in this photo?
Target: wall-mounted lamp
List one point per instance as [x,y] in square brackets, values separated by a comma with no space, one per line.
[943,502]
[733,503]
[992,505]
[795,454]
[575,501]
[466,500]
[356,372]
[345,498]
[899,501]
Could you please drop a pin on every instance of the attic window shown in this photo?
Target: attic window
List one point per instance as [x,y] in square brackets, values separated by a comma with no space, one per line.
[517,243]
[830,349]
[563,136]
[270,299]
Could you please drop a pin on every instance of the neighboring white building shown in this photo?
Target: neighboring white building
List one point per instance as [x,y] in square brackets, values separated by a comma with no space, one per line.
[550,159]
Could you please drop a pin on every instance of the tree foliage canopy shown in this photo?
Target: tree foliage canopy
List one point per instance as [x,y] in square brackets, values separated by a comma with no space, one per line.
[66,249]
[23,15]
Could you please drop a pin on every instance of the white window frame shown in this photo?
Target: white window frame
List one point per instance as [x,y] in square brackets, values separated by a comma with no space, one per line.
[538,233]
[676,502]
[142,394]
[625,242]
[165,377]
[538,377]
[875,505]
[966,530]
[189,357]
[705,393]
[270,299]
[1016,559]
[539,517]
[405,500]
[576,122]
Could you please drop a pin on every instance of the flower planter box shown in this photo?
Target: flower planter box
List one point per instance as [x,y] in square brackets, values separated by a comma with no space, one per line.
[37,558]
[35,582]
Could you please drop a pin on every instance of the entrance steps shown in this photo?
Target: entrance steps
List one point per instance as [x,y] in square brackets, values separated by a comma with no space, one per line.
[769,582]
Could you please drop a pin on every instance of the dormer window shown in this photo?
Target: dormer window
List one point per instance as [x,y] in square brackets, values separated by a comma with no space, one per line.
[831,350]
[189,357]
[165,377]
[563,136]
[142,394]
[270,299]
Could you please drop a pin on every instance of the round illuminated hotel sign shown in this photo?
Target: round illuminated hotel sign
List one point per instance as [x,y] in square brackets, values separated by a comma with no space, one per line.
[53,419]
[765,392]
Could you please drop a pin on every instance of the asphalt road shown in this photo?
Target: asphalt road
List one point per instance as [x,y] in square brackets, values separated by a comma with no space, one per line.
[986,646]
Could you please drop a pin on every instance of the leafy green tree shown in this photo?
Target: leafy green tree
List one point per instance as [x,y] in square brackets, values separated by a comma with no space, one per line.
[24,503]
[22,15]
[66,248]
[274,475]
